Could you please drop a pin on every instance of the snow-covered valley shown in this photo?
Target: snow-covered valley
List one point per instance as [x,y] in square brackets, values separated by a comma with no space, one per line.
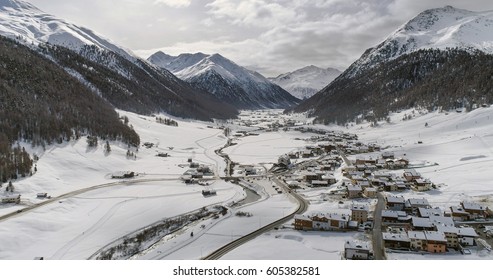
[454,149]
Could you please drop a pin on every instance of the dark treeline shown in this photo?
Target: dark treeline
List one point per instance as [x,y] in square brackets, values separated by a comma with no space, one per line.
[432,79]
[41,104]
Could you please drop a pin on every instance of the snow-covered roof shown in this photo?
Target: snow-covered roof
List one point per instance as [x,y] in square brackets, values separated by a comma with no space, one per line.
[390,236]
[435,236]
[302,217]
[429,212]
[421,222]
[473,206]
[416,202]
[393,214]
[351,244]
[354,188]
[395,199]
[467,231]
[418,235]
[458,210]
[441,220]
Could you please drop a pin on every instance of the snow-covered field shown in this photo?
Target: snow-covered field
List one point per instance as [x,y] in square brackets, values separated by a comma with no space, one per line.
[77,226]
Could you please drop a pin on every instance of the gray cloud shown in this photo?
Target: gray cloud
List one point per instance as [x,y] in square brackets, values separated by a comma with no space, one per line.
[271,37]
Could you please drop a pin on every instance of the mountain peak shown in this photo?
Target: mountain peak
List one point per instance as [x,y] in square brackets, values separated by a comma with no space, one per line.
[225,79]
[16,5]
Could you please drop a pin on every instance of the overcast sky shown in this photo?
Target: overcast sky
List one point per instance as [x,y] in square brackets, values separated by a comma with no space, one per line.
[271,37]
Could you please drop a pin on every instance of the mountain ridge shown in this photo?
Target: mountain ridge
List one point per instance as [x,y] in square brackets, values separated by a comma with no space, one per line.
[236,85]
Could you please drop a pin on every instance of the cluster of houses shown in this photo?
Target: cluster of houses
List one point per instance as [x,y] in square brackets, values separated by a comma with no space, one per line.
[415,225]
[333,221]
[196,172]
[367,181]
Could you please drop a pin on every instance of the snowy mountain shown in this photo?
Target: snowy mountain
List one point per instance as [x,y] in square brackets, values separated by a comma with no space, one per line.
[305,82]
[116,74]
[441,59]
[440,28]
[23,21]
[226,80]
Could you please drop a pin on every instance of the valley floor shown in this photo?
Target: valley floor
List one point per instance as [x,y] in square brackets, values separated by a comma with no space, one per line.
[89,210]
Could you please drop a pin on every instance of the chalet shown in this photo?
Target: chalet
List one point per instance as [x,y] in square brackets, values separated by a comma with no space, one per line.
[11,199]
[390,187]
[388,155]
[363,184]
[413,204]
[359,213]
[330,221]
[311,176]
[354,191]
[450,235]
[306,154]
[436,242]
[396,240]
[356,251]
[422,224]
[395,217]
[330,179]
[400,163]
[429,212]
[441,221]
[418,240]
[194,164]
[422,185]
[302,223]
[459,214]
[467,236]
[370,192]
[475,210]
[395,203]
[411,175]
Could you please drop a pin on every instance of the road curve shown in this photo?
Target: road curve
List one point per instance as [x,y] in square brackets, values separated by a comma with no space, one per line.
[303,206]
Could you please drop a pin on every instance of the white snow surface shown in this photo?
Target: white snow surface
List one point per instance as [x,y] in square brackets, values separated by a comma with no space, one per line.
[305,82]
[27,24]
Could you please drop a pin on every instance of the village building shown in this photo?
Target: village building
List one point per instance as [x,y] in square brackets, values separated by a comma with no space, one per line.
[411,175]
[319,183]
[413,204]
[422,224]
[418,240]
[356,251]
[475,210]
[388,155]
[370,192]
[354,191]
[330,221]
[451,234]
[436,242]
[395,217]
[467,236]
[396,240]
[422,185]
[302,223]
[459,214]
[429,212]
[395,203]
[360,213]
[330,179]
[11,198]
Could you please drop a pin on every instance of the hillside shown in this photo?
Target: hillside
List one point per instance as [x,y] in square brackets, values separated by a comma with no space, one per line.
[453,72]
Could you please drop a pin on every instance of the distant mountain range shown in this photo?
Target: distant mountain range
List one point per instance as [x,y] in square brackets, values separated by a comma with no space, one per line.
[305,82]
[226,80]
[441,59]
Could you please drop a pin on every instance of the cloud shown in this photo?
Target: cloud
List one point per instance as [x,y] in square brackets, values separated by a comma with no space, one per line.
[174,3]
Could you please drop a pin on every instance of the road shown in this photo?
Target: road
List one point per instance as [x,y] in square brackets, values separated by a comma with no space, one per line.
[303,206]
[81,191]
[378,246]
